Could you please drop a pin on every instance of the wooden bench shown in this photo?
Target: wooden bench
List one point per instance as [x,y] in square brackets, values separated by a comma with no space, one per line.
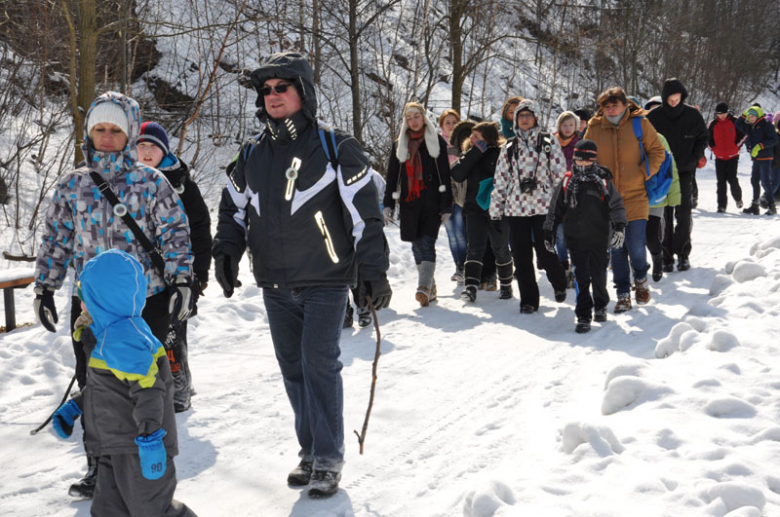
[11,279]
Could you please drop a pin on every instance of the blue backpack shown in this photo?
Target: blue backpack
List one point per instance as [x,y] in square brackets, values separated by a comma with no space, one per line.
[657,186]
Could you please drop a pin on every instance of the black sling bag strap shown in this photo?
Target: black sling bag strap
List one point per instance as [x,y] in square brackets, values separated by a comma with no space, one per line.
[120,210]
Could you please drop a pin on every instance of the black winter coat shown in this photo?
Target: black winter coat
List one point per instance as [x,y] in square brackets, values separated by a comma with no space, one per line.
[589,225]
[475,166]
[686,132]
[423,215]
[197,215]
[324,232]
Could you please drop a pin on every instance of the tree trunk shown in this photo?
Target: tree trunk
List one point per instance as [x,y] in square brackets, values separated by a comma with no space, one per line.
[456,44]
[315,39]
[87,33]
[354,72]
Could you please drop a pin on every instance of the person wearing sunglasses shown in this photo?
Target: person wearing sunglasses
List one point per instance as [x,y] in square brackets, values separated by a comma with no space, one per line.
[310,218]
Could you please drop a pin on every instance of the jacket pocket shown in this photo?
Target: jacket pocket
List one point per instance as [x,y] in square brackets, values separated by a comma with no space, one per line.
[318,217]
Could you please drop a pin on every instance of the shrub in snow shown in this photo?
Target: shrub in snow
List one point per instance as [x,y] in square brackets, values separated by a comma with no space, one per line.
[719,284]
[723,340]
[671,343]
[624,391]
[735,495]
[486,501]
[745,271]
[601,439]
[730,408]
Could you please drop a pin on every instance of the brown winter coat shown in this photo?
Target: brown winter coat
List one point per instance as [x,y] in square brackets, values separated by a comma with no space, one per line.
[619,151]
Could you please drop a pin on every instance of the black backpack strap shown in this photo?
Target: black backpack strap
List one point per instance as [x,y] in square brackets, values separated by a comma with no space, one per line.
[120,210]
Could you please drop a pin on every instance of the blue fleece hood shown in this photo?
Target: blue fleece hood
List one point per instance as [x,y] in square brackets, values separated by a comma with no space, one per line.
[113,287]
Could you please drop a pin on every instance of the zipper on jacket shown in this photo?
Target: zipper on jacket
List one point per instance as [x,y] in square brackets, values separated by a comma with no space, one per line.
[326,235]
[291,174]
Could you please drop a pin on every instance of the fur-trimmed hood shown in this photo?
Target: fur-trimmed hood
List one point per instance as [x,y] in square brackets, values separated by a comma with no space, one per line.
[431,140]
[526,105]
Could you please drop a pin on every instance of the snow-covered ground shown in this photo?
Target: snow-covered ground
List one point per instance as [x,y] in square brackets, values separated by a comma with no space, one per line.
[672,409]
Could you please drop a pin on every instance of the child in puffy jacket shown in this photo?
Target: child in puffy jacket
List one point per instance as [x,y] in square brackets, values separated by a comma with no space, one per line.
[129,423]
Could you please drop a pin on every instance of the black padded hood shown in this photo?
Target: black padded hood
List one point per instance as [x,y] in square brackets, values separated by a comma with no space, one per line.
[292,67]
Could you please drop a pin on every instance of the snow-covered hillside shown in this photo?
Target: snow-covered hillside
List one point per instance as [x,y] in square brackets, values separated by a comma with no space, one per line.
[669,410]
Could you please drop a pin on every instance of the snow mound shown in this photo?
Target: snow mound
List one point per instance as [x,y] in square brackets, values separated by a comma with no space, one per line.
[671,343]
[730,408]
[486,501]
[746,271]
[722,341]
[734,496]
[719,284]
[623,370]
[625,391]
[600,438]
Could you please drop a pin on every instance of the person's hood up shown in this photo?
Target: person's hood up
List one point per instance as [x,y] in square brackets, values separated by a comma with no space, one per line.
[133,113]
[113,287]
[526,105]
[292,67]
[671,87]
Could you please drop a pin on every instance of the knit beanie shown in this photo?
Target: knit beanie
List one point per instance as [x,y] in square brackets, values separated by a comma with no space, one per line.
[154,133]
[585,150]
[107,112]
[583,113]
[721,107]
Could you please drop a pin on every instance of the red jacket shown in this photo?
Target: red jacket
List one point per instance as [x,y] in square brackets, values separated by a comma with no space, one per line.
[725,138]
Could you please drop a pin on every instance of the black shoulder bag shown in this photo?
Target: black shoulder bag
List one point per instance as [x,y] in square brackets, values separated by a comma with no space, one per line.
[120,210]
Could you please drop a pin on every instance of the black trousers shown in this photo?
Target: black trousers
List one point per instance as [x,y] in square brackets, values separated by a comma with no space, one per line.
[479,231]
[677,239]
[155,314]
[527,236]
[590,270]
[726,172]
[654,236]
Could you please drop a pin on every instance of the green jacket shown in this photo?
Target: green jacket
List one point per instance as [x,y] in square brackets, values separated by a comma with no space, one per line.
[674,197]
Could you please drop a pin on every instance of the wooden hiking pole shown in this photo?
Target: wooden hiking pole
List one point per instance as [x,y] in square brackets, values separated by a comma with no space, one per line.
[362,436]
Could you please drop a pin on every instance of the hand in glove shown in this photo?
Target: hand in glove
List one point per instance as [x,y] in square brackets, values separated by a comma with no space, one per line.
[44,308]
[154,458]
[549,241]
[226,273]
[756,149]
[378,290]
[618,237]
[180,301]
[65,417]
[387,213]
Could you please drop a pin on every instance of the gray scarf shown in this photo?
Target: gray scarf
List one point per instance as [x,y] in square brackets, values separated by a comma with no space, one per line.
[579,176]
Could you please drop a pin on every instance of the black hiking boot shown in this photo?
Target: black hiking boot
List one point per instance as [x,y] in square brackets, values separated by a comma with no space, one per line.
[583,326]
[348,318]
[668,267]
[85,487]
[300,475]
[658,267]
[506,292]
[527,309]
[752,209]
[684,264]
[364,318]
[469,294]
[560,296]
[600,315]
[324,483]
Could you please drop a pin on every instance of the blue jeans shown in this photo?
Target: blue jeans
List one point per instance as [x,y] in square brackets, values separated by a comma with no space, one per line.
[761,176]
[306,328]
[456,233]
[424,249]
[633,248]
[560,245]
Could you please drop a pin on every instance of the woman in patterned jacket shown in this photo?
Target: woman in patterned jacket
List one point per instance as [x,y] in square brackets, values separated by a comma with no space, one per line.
[529,166]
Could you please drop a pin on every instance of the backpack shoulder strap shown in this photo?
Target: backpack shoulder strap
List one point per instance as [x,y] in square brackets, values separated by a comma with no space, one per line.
[566,180]
[328,139]
[637,123]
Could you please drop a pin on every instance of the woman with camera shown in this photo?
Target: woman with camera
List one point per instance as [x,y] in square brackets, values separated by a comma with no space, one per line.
[529,166]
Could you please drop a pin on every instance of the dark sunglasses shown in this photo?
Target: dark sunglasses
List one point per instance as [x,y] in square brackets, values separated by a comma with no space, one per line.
[279,89]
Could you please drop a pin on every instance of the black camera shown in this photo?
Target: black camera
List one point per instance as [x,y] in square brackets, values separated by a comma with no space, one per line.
[527,185]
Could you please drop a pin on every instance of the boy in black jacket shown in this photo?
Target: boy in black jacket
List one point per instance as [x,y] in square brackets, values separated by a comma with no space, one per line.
[593,209]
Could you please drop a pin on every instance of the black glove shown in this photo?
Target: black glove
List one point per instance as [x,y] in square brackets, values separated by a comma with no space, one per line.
[44,307]
[549,241]
[378,290]
[226,273]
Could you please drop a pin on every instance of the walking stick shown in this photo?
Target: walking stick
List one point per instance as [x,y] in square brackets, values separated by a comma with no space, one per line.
[362,436]
[64,398]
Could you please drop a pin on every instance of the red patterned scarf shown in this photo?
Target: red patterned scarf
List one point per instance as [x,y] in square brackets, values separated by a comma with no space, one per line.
[414,169]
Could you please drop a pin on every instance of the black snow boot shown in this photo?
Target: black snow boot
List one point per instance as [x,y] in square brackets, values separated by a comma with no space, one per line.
[324,483]
[348,318]
[364,317]
[752,209]
[300,475]
[505,274]
[583,326]
[472,270]
[85,487]
[658,266]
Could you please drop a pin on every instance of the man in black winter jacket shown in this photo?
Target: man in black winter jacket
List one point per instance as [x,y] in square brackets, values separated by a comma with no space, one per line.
[686,132]
[313,228]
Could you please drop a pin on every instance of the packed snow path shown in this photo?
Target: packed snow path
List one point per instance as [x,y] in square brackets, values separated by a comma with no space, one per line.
[669,409]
